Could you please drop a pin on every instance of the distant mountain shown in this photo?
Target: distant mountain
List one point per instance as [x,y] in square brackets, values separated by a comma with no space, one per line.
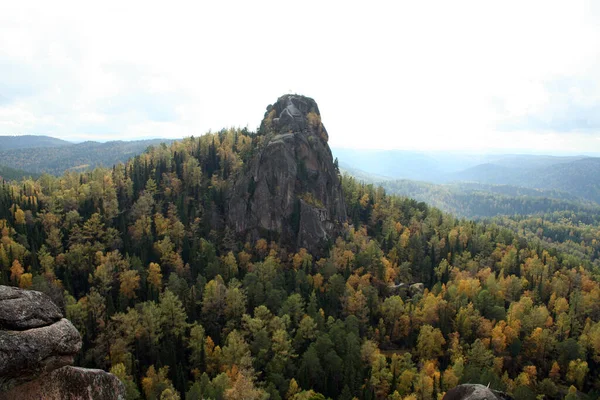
[30,141]
[441,167]
[530,161]
[364,176]
[481,200]
[487,173]
[81,156]
[392,163]
[580,177]
[518,191]
[472,201]
[576,175]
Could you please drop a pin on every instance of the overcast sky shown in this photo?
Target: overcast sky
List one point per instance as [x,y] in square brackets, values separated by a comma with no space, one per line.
[445,75]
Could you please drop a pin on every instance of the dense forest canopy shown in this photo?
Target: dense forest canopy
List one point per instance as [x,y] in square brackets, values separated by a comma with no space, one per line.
[176,305]
[11,174]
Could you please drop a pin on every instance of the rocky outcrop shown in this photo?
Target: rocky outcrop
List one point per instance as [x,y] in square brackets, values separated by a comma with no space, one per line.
[26,309]
[36,342]
[290,190]
[416,289]
[474,392]
[25,355]
[34,337]
[70,383]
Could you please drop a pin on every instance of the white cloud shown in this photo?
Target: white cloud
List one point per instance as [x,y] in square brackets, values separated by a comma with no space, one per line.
[422,75]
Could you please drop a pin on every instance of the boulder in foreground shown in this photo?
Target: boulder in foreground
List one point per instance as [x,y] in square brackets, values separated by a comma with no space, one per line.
[37,345]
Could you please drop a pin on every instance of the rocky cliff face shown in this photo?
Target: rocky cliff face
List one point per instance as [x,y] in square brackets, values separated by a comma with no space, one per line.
[290,190]
[36,346]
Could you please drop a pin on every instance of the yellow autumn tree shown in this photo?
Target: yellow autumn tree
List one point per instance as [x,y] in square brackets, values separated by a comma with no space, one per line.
[155,276]
[16,271]
[130,282]
[25,281]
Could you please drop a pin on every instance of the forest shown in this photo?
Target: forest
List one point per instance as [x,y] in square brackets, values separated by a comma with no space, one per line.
[171,301]
[10,174]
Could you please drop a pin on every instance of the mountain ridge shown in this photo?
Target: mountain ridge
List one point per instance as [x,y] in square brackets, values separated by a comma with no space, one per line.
[30,141]
[578,175]
[86,155]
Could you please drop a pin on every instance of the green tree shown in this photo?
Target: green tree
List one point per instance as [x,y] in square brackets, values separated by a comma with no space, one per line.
[172,314]
[430,343]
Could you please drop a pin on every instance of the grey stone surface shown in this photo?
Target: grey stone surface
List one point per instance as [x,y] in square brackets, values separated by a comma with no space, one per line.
[474,392]
[34,338]
[25,309]
[416,289]
[290,189]
[36,346]
[70,383]
[24,355]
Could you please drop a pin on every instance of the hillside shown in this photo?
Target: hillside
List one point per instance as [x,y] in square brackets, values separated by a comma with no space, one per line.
[547,218]
[529,161]
[577,175]
[182,288]
[480,200]
[580,177]
[30,141]
[8,174]
[392,163]
[81,156]
[488,173]
[471,200]
[362,175]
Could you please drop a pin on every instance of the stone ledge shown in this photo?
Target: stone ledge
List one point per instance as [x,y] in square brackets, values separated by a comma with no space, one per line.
[70,383]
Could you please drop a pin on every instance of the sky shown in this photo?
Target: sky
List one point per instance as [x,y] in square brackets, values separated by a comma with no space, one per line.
[473,76]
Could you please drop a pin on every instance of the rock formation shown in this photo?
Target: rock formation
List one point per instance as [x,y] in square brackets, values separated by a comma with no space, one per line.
[36,346]
[71,383]
[470,391]
[416,289]
[290,190]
